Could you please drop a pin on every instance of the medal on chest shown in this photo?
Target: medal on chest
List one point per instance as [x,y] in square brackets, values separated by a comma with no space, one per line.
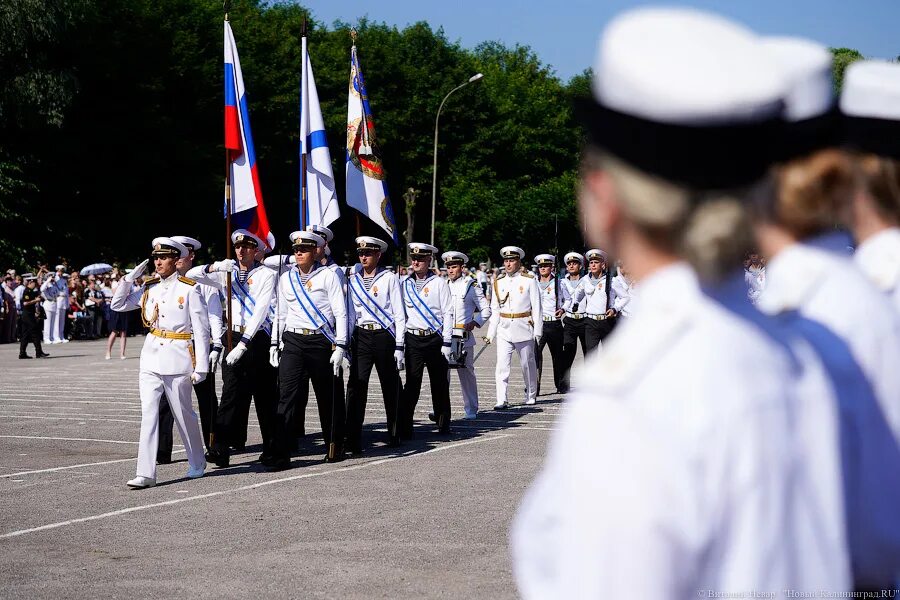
[521,289]
[181,302]
[375,291]
[426,291]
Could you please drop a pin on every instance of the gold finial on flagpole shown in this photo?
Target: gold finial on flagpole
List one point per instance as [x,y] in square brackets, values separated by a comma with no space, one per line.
[225,7]
[353,35]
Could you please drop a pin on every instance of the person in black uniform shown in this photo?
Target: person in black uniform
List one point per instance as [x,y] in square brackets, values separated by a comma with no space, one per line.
[31,319]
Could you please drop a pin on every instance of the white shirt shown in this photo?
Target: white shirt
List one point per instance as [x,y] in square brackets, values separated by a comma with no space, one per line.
[19,291]
[49,289]
[322,306]
[171,304]
[756,282]
[516,294]
[549,302]
[250,301]
[592,296]
[380,304]
[671,471]
[469,304]
[572,287]
[481,276]
[624,291]
[879,258]
[827,288]
[428,304]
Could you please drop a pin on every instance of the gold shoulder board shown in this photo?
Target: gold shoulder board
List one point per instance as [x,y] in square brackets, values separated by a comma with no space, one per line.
[151,281]
[187,281]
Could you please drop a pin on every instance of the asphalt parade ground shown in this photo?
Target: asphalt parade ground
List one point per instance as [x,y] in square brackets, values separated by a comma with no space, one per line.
[427,520]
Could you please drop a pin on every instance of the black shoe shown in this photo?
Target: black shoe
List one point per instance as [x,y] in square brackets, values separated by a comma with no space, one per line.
[432,417]
[42,355]
[163,460]
[278,464]
[338,455]
[355,449]
[239,447]
[266,459]
[444,424]
[220,458]
[22,356]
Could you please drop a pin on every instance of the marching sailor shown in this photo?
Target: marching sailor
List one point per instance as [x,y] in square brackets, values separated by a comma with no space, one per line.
[554,300]
[573,321]
[596,297]
[175,354]
[206,389]
[516,324]
[378,326]
[312,327]
[429,326]
[470,310]
[323,254]
[623,286]
[246,371]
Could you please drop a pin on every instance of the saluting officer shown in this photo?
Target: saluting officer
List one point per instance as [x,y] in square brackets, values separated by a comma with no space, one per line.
[312,321]
[50,291]
[378,326]
[596,297]
[470,310]
[429,324]
[573,321]
[554,300]
[516,324]
[206,389]
[246,371]
[175,354]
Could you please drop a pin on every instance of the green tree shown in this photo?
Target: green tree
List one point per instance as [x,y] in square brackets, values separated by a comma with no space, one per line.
[843,58]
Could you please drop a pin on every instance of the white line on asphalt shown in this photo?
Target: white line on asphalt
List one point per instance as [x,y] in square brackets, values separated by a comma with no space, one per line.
[69,439]
[54,469]
[244,488]
[57,401]
[66,419]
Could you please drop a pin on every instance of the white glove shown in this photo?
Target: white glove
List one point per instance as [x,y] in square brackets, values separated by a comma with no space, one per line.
[400,359]
[445,350]
[197,377]
[275,355]
[337,357]
[236,353]
[215,356]
[223,266]
[137,271]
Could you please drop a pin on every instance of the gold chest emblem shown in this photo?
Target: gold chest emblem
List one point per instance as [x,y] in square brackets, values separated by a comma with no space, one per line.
[250,281]
[521,289]
[426,291]
[375,290]
[309,285]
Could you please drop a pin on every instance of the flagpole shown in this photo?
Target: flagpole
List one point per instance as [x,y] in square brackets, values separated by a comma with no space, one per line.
[303,182]
[228,195]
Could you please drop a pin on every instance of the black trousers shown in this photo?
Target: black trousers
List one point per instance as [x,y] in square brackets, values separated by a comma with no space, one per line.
[553,337]
[253,376]
[30,332]
[304,359]
[573,331]
[422,352]
[207,402]
[370,348]
[596,331]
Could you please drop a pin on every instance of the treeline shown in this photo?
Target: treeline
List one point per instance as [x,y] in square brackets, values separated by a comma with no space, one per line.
[111,128]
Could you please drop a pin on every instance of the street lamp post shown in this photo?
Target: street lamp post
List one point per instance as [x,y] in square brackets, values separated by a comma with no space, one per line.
[472,79]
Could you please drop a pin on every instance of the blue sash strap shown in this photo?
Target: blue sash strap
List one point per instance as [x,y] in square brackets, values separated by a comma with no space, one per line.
[415,293]
[325,327]
[389,326]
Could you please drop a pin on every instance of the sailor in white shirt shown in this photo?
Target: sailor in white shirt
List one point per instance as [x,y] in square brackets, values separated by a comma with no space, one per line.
[516,324]
[205,391]
[50,290]
[573,320]
[554,300]
[312,327]
[429,326]
[481,277]
[673,469]
[62,303]
[246,371]
[470,310]
[378,326]
[870,102]
[623,286]
[323,254]
[596,297]
[175,354]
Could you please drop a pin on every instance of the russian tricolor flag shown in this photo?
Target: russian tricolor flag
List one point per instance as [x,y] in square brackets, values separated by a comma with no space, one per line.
[247,208]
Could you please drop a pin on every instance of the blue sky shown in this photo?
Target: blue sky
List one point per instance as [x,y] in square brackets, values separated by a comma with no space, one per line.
[564,33]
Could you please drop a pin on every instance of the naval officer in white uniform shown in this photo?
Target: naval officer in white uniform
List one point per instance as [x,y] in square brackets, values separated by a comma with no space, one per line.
[175,354]
[470,310]
[516,324]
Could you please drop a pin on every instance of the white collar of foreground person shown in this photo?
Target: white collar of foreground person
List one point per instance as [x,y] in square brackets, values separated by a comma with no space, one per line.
[793,276]
[879,258]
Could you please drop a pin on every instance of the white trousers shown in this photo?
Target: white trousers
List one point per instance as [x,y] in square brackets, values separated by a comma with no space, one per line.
[61,309]
[468,383]
[177,389]
[525,350]
[51,324]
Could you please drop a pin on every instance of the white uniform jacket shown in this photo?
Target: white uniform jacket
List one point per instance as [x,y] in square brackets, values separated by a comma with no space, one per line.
[49,289]
[318,304]
[551,300]
[624,290]
[653,485]
[250,301]
[431,308]
[380,306]
[213,299]
[879,259]
[469,304]
[826,287]
[516,314]
[173,305]
[591,296]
